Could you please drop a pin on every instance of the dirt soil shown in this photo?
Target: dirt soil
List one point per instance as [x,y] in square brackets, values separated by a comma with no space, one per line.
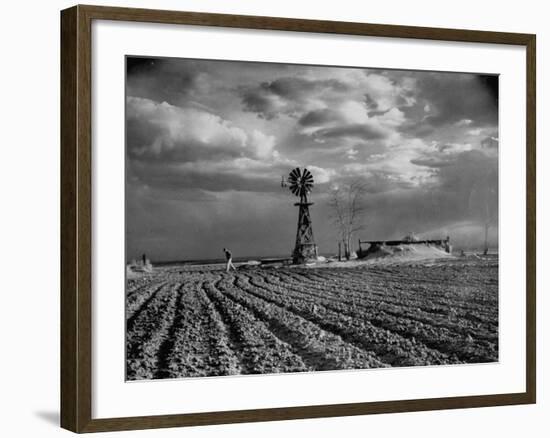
[202,321]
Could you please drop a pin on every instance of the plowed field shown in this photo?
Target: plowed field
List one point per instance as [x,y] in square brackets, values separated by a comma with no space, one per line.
[202,321]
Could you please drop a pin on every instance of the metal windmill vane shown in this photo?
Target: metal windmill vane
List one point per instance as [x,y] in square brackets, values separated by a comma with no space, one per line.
[300,184]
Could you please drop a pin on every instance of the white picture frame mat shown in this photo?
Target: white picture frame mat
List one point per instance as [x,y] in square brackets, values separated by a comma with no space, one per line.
[113,397]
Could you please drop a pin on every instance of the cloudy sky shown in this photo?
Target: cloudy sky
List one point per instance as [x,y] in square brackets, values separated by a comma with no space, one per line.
[208,142]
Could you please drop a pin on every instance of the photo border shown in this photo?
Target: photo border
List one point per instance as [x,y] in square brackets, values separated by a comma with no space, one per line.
[76,218]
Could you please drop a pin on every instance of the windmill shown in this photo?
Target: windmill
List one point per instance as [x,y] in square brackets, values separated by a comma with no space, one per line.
[300,184]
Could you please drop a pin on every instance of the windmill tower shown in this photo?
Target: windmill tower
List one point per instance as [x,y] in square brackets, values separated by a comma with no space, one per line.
[300,184]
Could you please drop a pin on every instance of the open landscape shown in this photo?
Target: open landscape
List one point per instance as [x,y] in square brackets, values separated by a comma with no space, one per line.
[287,218]
[188,321]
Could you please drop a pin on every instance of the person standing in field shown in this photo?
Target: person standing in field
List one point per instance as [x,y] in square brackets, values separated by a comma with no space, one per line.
[229,258]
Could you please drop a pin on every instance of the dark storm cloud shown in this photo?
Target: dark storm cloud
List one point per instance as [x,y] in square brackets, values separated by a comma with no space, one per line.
[491,84]
[295,88]
[372,105]
[452,99]
[185,152]
[376,182]
[262,104]
[198,230]
[354,131]
[318,117]
[489,143]
[140,133]
[466,193]
[434,162]
[456,99]
[415,210]
[171,178]
[468,169]
[162,80]
[140,65]
[470,180]
[285,95]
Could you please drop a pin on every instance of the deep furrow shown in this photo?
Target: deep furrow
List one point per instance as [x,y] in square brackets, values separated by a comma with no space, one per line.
[149,330]
[388,281]
[402,311]
[167,344]
[468,311]
[386,344]
[234,341]
[135,287]
[386,277]
[426,275]
[441,340]
[198,343]
[135,307]
[260,351]
[319,349]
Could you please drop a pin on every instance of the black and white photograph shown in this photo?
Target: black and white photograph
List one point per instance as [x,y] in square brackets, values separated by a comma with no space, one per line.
[286,218]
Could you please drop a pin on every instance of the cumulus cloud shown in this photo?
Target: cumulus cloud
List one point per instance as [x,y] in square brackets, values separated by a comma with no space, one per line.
[170,147]
[322,176]
[163,132]
[358,94]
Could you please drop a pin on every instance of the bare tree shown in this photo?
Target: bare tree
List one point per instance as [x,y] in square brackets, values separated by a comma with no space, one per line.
[348,211]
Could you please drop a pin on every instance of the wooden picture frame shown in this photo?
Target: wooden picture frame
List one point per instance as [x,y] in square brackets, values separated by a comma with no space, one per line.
[76,218]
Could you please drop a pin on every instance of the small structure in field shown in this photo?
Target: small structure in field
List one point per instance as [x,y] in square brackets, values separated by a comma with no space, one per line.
[143,265]
[376,245]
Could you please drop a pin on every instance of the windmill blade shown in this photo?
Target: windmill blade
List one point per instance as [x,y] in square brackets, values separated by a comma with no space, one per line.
[295,173]
[300,181]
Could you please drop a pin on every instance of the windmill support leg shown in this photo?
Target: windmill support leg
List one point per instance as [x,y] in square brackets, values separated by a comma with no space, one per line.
[305,248]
